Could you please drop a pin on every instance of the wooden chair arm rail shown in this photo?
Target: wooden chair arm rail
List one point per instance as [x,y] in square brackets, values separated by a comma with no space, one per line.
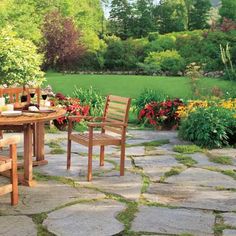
[117,124]
[73,118]
[9,141]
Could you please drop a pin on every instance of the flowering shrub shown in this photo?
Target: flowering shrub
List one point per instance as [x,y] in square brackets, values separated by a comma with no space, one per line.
[211,127]
[161,113]
[184,111]
[72,107]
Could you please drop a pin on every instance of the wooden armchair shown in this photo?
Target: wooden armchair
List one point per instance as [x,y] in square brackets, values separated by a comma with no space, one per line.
[10,163]
[14,94]
[114,120]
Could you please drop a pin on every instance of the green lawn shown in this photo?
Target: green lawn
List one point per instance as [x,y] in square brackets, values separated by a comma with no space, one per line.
[129,85]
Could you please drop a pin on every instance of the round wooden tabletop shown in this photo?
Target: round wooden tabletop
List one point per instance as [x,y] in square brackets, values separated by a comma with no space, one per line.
[30,117]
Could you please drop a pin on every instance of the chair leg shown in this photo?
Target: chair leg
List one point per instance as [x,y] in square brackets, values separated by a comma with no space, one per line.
[14,176]
[122,159]
[34,139]
[90,159]
[68,154]
[102,156]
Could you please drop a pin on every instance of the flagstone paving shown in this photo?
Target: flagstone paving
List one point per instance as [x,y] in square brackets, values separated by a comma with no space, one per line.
[157,196]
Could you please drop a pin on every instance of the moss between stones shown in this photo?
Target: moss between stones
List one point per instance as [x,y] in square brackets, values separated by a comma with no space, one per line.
[155,143]
[224,160]
[185,160]
[187,149]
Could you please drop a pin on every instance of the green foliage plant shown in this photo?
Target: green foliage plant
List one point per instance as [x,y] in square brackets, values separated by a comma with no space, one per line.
[92,98]
[19,61]
[147,96]
[209,127]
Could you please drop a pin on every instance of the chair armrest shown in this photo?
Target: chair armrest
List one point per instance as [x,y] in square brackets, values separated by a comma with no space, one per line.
[74,118]
[9,141]
[117,124]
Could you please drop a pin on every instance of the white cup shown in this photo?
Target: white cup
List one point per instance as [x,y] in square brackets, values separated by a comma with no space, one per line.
[10,107]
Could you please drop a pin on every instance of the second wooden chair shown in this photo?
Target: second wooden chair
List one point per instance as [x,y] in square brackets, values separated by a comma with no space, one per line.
[114,121]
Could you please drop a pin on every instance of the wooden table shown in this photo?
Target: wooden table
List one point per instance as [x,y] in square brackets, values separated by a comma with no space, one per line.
[26,120]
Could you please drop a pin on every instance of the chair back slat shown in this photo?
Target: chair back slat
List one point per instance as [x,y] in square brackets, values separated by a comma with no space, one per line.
[116,110]
[14,94]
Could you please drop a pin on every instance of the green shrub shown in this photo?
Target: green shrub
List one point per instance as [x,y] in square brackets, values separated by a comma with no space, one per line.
[92,98]
[147,96]
[167,61]
[210,127]
[153,36]
[120,55]
[19,61]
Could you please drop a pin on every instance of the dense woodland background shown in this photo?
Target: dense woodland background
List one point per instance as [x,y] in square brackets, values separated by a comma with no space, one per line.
[145,36]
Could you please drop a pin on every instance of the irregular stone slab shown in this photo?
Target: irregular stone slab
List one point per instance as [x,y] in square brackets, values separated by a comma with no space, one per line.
[173,221]
[230,152]
[230,219]
[135,151]
[229,232]
[201,177]
[153,135]
[79,165]
[203,162]
[46,196]
[17,225]
[156,166]
[116,159]
[129,186]
[95,218]
[191,197]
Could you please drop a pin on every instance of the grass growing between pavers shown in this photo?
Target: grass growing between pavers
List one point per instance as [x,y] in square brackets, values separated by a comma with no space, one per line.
[38,220]
[231,173]
[220,226]
[187,149]
[185,160]
[59,150]
[224,160]
[176,170]
[154,143]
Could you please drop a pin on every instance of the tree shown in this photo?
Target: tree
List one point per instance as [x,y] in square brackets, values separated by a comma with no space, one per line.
[19,61]
[62,47]
[144,19]
[121,18]
[171,16]
[198,13]
[228,9]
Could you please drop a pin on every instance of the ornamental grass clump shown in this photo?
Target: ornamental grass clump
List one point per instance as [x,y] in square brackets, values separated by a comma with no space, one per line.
[210,127]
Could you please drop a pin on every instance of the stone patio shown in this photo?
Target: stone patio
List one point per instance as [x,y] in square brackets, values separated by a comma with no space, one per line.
[199,200]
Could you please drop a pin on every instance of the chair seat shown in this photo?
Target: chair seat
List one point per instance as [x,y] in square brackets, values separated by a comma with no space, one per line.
[98,139]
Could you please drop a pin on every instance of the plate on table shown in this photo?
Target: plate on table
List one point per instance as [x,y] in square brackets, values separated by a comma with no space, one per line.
[11,113]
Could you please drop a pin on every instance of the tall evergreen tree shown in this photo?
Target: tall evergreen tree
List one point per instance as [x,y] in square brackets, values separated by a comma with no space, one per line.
[198,14]
[171,16]
[228,9]
[121,18]
[144,19]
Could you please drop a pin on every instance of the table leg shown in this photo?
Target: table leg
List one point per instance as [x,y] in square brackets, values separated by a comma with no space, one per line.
[40,132]
[28,163]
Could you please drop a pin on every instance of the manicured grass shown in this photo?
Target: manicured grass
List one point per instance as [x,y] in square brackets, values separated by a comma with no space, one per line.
[131,85]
